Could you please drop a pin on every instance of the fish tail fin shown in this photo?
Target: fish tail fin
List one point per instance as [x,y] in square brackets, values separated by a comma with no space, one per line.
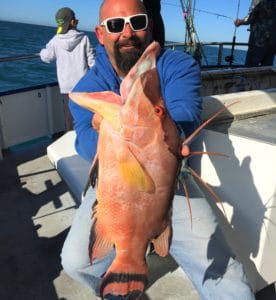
[128,280]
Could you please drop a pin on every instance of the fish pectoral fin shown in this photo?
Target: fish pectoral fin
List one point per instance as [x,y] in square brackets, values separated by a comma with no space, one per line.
[162,242]
[134,175]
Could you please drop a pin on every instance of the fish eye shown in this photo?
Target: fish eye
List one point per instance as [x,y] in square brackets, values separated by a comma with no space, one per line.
[159,110]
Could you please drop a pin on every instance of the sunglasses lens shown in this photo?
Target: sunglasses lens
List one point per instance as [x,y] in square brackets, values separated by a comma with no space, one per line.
[116,25]
[138,22]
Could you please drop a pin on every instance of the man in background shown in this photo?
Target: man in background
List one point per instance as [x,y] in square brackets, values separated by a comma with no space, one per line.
[73,53]
[262,40]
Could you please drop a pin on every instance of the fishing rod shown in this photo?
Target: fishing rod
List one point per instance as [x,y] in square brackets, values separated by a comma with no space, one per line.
[214,14]
[202,11]
[230,58]
[19,57]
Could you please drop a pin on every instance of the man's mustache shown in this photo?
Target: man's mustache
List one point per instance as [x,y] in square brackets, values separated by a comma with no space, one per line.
[131,42]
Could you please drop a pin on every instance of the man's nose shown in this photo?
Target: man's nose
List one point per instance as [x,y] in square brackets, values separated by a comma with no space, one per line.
[127,30]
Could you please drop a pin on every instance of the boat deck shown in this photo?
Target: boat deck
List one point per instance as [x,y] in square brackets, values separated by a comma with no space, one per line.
[36,212]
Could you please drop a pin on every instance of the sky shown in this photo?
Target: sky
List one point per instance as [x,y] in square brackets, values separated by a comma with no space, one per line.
[209,27]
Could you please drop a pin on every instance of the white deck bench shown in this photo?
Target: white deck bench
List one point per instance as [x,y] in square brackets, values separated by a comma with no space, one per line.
[245,182]
[70,166]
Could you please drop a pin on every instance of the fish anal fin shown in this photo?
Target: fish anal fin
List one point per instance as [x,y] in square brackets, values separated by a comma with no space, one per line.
[100,248]
[162,242]
[134,175]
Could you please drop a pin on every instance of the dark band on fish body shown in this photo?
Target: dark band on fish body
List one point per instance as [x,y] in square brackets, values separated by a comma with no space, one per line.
[123,277]
[134,295]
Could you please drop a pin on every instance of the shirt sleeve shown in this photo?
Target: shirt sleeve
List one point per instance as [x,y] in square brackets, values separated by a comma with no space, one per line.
[90,53]
[252,12]
[180,84]
[48,54]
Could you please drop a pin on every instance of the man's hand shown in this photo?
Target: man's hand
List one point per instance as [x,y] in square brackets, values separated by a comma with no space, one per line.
[238,22]
[96,121]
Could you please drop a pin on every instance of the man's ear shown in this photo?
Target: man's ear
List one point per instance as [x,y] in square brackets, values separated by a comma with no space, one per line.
[99,34]
[73,23]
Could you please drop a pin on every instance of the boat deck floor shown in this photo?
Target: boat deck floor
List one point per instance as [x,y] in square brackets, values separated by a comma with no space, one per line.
[36,213]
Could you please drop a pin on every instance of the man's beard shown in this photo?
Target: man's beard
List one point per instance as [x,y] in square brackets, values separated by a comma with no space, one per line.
[126,60]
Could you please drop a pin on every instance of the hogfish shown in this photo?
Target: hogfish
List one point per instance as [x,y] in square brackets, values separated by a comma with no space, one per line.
[138,159]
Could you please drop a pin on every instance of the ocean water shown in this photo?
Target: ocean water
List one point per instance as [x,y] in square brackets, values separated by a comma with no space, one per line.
[25,39]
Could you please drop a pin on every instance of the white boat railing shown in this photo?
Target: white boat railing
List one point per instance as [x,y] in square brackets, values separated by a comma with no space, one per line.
[221,46]
[220,61]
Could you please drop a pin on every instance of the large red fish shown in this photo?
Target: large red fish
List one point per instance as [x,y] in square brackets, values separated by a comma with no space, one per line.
[138,161]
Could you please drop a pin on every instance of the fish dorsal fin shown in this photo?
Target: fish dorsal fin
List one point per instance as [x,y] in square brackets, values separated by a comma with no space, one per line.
[134,175]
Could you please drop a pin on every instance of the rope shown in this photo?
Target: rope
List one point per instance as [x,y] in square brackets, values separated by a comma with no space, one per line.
[19,57]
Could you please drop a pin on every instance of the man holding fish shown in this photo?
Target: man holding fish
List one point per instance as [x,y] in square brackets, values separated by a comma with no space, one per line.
[129,111]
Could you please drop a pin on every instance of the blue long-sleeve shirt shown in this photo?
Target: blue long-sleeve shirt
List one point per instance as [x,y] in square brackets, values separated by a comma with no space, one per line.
[180,88]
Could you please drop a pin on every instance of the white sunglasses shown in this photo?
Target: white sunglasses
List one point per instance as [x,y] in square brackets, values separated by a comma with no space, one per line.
[117,25]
